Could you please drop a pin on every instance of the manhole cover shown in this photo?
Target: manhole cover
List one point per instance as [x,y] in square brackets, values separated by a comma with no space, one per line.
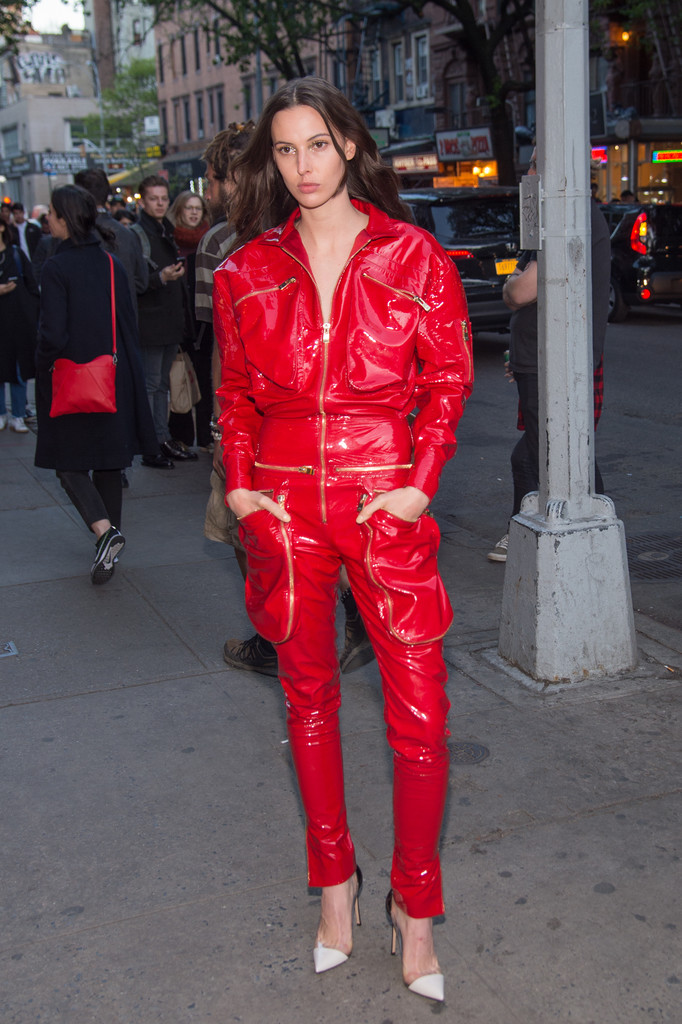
[468,753]
[655,556]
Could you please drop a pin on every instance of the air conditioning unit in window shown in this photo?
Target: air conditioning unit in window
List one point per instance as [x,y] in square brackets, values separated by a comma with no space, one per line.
[385,119]
[422,91]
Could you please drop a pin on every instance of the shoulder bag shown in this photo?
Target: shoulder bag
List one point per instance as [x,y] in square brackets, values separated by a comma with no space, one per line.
[86,387]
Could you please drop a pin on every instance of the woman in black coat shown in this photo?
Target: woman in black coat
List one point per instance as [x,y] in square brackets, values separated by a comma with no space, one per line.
[76,323]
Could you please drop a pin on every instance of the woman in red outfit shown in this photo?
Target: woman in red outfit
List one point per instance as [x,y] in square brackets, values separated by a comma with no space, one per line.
[333,328]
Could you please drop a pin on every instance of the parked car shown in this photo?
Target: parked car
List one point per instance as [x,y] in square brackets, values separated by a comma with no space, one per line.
[479,229]
[646,255]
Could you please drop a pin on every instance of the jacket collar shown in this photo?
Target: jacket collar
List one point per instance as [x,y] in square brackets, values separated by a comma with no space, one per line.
[164,228]
[68,243]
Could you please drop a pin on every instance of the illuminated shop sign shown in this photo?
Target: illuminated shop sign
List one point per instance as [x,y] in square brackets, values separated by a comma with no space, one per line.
[415,163]
[667,156]
[468,144]
[599,154]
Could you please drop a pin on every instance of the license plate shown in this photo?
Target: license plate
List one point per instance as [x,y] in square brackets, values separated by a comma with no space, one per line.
[505,266]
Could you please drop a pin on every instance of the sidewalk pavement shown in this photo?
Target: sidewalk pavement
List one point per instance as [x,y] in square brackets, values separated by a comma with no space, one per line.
[152,853]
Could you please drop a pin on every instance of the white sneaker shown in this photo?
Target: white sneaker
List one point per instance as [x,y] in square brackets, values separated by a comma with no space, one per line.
[3,420]
[499,552]
[17,425]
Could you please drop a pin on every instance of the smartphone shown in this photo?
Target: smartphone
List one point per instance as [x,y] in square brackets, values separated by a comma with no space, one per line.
[180,259]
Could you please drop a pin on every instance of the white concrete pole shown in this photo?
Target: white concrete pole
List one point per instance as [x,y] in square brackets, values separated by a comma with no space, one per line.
[566,608]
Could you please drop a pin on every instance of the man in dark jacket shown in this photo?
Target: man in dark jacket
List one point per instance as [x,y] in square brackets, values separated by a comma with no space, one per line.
[29,233]
[161,308]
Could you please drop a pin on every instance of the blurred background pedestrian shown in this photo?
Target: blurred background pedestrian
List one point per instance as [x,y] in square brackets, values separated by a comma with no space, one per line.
[190,217]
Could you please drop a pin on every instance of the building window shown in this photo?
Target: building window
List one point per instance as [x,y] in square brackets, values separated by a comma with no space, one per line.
[10,141]
[183,55]
[220,109]
[159,52]
[77,132]
[457,104]
[248,100]
[137,32]
[273,84]
[375,74]
[186,118]
[309,66]
[207,33]
[398,72]
[211,110]
[421,66]
[164,123]
[216,37]
[197,51]
[340,75]
[200,117]
[176,120]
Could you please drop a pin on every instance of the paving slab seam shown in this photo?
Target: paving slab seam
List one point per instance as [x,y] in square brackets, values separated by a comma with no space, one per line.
[150,912]
[46,699]
[498,834]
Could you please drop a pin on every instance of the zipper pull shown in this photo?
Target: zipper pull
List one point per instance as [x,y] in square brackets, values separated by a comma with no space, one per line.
[465,330]
[285,284]
[422,302]
[326,330]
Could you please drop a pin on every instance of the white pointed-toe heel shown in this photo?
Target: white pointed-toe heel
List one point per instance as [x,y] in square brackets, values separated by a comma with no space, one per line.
[431,986]
[324,957]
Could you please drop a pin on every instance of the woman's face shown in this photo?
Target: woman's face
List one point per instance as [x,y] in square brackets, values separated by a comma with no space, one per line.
[305,156]
[192,213]
[57,226]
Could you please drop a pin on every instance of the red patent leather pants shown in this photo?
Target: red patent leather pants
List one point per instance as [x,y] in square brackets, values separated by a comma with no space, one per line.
[377,557]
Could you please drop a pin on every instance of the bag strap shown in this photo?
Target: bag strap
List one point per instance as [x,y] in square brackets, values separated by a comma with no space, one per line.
[113,304]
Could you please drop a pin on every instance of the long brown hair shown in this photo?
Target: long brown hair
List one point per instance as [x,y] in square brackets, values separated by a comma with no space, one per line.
[262,200]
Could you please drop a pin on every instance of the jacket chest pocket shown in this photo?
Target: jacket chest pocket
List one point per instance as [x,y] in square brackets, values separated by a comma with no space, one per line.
[270,320]
[383,335]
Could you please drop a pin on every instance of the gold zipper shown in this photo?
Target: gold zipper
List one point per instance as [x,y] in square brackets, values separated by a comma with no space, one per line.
[400,291]
[285,469]
[290,568]
[467,339]
[387,596]
[264,291]
[371,469]
[326,335]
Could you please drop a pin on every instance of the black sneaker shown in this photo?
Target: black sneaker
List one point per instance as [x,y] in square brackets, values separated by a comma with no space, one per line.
[357,649]
[255,655]
[107,548]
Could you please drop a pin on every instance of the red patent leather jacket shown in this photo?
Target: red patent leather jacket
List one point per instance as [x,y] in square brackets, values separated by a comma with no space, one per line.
[398,338]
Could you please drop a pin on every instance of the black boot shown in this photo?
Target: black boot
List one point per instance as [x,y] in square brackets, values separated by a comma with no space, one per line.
[357,649]
[255,655]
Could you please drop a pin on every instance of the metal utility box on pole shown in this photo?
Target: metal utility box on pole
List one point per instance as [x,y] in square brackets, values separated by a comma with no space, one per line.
[566,605]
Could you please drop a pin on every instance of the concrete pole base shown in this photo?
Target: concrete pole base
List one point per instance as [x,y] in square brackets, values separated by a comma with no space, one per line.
[566,603]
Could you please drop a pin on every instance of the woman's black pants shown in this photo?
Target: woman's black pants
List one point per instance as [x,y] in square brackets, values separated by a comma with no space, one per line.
[99,497]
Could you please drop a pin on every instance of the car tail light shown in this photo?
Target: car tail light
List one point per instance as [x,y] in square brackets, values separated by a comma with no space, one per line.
[645,293]
[459,254]
[638,234]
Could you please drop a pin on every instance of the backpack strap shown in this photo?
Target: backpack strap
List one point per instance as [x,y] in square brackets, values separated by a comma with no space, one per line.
[144,241]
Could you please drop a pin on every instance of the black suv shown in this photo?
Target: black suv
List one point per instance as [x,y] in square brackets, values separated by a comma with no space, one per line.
[646,255]
[479,229]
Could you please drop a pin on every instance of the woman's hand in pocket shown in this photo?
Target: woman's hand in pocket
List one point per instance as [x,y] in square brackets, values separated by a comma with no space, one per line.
[405,503]
[243,502]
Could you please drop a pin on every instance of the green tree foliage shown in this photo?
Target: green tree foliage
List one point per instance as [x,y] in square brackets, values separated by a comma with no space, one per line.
[482,41]
[125,105]
[280,29]
[13,22]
